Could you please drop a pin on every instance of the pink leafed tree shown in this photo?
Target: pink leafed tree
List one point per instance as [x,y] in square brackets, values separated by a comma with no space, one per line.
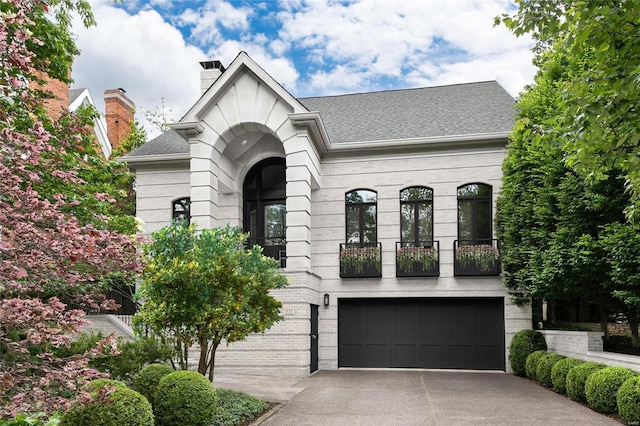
[49,260]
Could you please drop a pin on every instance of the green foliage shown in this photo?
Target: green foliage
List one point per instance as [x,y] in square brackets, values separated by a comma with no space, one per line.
[577,378]
[185,398]
[601,388]
[147,380]
[531,364]
[559,373]
[597,110]
[545,367]
[113,404]
[236,407]
[132,358]
[628,401]
[205,287]
[39,419]
[523,343]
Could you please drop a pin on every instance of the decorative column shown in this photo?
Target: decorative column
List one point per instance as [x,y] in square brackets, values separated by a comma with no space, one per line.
[299,184]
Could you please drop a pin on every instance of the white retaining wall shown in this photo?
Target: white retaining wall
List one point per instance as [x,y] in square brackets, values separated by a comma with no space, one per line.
[587,345]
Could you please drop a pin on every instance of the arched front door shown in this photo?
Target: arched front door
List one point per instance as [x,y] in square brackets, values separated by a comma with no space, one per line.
[265,206]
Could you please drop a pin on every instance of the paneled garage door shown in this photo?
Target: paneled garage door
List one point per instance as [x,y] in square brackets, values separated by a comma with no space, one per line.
[455,333]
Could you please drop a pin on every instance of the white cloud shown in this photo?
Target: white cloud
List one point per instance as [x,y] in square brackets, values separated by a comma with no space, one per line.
[337,46]
[141,53]
[378,39]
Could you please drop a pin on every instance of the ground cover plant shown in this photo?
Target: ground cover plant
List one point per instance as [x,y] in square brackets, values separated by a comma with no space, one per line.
[236,407]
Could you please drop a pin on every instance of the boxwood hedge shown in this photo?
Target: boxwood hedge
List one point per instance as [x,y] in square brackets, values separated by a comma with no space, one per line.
[543,370]
[559,373]
[524,343]
[601,388]
[531,365]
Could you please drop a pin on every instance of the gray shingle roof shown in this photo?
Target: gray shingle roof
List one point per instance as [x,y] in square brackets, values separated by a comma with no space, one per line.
[74,93]
[461,109]
[456,110]
[169,142]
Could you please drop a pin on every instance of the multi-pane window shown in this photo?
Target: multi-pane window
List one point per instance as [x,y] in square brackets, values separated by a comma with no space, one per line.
[265,206]
[180,209]
[416,215]
[474,214]
[361,216]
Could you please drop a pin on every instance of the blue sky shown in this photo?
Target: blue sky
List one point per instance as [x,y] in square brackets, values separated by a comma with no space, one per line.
[151,48]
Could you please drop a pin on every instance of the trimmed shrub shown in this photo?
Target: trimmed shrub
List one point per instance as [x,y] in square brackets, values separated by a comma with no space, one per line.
[577,377]
[123,406]
[185,398]
[132,358]
[559,373]
[147,380]
[531,365]
[602,387]
[524,343]
[629,401]
[543,370]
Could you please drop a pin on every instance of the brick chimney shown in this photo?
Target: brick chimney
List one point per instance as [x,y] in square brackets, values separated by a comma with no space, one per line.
[60,90]
[119,110]
[211,70]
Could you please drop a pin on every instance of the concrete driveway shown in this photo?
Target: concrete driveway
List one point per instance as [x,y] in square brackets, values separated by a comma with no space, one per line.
[373,397]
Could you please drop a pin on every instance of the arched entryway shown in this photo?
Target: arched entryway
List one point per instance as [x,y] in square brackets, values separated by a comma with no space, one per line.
[264,194]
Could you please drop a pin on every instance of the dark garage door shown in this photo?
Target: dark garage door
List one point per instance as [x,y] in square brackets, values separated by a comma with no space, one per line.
[421,333]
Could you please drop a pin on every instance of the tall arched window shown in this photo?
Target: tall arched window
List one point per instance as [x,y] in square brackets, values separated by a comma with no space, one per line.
[265,206]
[474,214]
[361,216]
[416,215]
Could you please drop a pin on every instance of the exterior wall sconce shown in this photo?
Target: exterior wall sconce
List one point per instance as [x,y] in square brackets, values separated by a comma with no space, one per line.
[326,299]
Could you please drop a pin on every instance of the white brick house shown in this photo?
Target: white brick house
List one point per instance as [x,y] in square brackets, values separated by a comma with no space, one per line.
[348,191]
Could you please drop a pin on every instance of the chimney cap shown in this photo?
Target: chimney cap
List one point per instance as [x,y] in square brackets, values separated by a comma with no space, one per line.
[209,65]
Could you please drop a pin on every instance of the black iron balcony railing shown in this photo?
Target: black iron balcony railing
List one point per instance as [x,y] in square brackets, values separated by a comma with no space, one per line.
[476,257]
[418,259]
[274,247]
[360,260]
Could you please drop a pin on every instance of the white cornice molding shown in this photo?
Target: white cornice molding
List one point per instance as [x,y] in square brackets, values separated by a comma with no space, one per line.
[313,122]
[158,158]
[187,129]
[427,142]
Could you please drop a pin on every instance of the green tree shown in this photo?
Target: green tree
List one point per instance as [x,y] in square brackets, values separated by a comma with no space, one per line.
[205,287]
[598,108]
[549,217]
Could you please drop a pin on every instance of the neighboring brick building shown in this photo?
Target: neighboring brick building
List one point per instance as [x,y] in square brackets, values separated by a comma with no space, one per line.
[119,111]
[379,206]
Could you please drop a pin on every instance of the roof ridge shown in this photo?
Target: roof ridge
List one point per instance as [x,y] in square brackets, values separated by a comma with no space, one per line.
[402,90]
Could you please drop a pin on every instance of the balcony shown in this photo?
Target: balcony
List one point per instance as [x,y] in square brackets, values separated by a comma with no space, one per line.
[479,257]
[418,259]
[360,260]
[274,247]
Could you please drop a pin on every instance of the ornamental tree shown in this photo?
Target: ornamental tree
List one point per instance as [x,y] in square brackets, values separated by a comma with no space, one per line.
[204,288]
[47,254]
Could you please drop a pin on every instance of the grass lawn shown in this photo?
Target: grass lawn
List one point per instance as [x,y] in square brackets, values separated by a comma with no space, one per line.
[237,408]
